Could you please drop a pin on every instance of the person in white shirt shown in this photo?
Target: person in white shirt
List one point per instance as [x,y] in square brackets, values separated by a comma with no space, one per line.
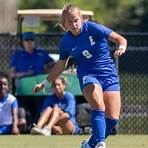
[10,123]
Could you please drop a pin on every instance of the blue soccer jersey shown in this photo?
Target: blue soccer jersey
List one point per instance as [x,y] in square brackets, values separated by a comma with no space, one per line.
[67,104]
[91,51]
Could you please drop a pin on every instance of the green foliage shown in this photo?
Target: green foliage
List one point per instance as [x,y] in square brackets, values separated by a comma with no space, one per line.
[121,15]
[135,18]
[37,4]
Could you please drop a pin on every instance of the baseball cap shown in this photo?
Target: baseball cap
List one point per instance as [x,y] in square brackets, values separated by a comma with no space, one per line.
[28,35]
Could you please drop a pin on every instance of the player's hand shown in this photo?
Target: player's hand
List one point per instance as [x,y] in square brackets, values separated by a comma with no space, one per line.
[119,52]
[38,87]
[15,131]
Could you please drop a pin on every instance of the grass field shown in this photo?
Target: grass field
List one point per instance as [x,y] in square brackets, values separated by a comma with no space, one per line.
[28,141]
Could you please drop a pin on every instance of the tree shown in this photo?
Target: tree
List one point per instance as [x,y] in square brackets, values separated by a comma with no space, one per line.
[135,18]
[121,15]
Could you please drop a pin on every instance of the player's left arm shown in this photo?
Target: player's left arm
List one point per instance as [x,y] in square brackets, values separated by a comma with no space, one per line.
[120,41]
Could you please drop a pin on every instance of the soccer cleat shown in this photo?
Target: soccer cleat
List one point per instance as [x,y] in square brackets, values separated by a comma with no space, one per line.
[35,131]
[85,144]
[45,131]
[100,145]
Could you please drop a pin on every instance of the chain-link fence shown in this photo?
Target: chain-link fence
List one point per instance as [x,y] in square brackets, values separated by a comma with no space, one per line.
[133,72]
[132,69]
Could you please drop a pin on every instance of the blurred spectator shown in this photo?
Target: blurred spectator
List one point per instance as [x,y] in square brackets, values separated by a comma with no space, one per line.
[29,60]
[58,112]
[12,118]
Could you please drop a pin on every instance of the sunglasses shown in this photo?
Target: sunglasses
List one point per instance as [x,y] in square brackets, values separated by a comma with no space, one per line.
[29,39]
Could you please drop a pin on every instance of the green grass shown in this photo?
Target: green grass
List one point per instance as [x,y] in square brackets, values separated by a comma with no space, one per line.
[28,141]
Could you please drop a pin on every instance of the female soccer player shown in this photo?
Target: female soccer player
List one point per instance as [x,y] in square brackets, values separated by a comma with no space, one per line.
[87,42]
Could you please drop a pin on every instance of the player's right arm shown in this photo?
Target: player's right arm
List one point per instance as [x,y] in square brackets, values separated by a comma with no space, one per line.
[54,73]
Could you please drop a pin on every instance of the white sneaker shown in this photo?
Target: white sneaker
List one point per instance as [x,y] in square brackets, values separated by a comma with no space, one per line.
[35,131]
[85,144]
[100,145]
[45,131]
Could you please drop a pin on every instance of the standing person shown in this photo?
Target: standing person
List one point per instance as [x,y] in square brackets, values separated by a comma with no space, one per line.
[12,119]
[58,112]
[87,42]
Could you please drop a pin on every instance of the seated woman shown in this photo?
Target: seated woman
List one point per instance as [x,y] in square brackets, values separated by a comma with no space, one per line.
[28,60]
[58,112]
[12,118]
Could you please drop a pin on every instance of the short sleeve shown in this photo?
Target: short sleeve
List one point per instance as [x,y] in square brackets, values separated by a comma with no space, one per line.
[14,104]
[99,30]
[71,104]
[47,102]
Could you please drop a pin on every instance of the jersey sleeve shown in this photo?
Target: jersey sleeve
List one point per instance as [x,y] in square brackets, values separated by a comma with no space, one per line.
[14,104]
[99,30]
[48,57]
[47,102]
[71,105]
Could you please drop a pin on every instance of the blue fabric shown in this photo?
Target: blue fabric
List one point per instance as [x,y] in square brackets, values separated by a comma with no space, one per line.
[67,104]
[7,104]
[98,127]
[108,83]
[4,99]
[28,35]
[5,129]
[110,123]
[90,50]
[14,104]
[24,61]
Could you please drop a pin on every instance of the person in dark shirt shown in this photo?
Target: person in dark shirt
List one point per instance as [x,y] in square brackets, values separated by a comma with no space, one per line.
[29,60]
